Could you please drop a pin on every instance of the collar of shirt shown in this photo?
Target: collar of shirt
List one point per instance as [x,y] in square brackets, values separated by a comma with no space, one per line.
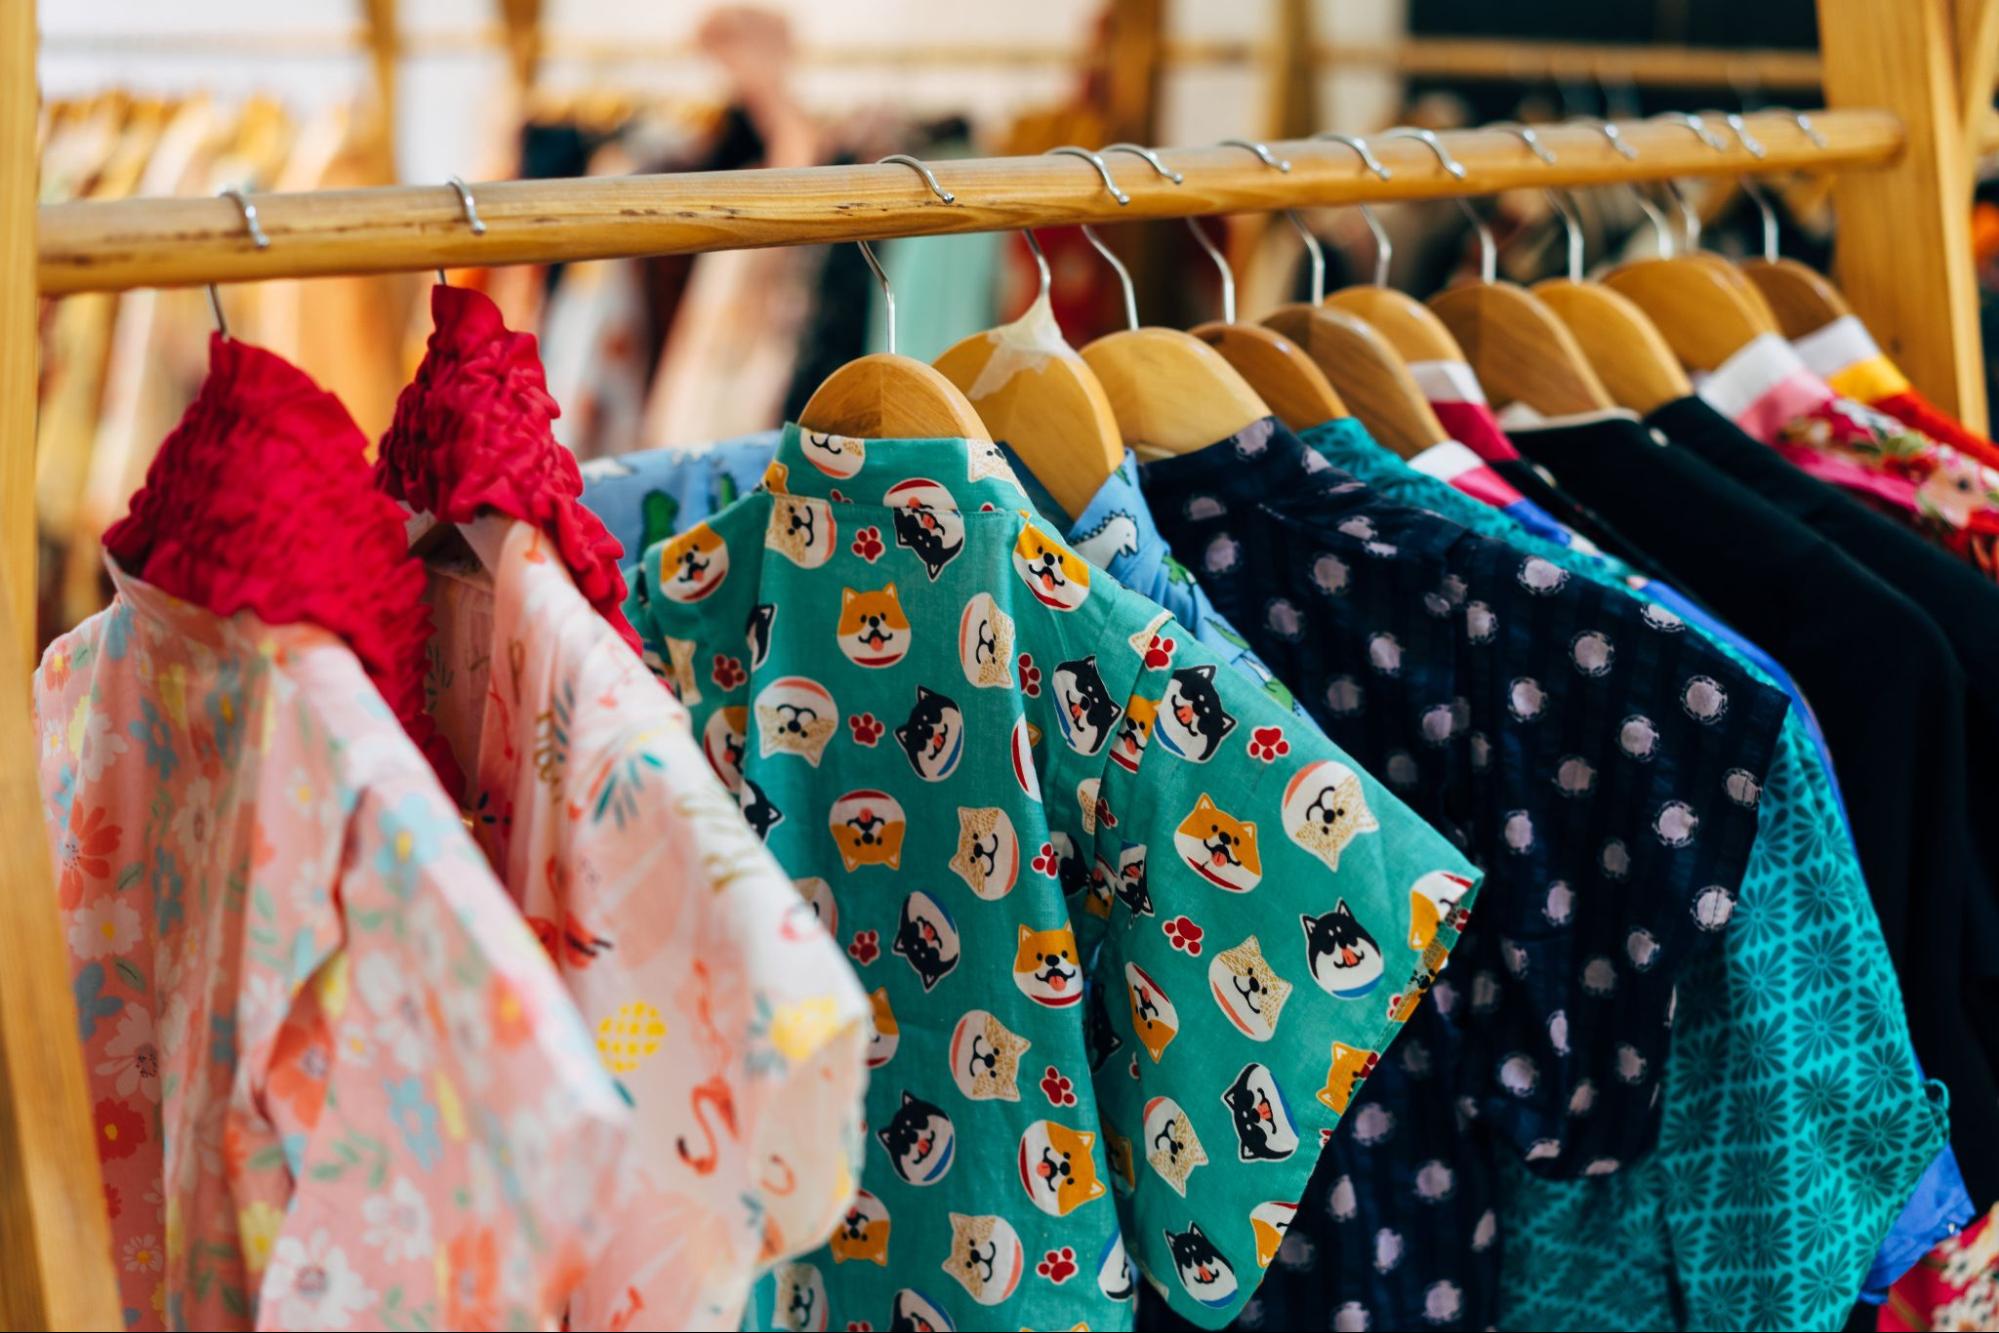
[1461,406]
[907,476]
[1845,355]
[1763,387]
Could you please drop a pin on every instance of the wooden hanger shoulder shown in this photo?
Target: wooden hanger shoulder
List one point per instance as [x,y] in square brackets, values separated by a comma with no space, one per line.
[1631,357]
[1801,298]
[1705,317]
[1368,373]
[1520,350]
[1280,371]
[1171,392]
[1037,394]
[1411,328]
[888,397]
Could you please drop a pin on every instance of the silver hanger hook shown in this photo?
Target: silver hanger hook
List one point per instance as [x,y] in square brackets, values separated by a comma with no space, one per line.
[1040,262]
[1313,249]
[1762,202]
[1384,249]
[929,176]
[1070,150]
[1428,139]
[1263,154]
[1097,242]
[1609,131]
[1526,135]
[1662,230]
[1735,122]
[470,208]
[1222,263]
[1690,217]
[1697,125]
[1151,159]
[1572,227]
[1803,121]
[888,292]
[1359,145]
[257,239]
[1488,249]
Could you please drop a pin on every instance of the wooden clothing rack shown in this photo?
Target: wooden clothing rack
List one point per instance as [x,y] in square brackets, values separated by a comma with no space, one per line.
[1908,83]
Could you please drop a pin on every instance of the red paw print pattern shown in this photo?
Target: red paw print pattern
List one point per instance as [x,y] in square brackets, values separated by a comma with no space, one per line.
[728,672]
[1057,1088]
[867,544]
[1159,653]
[1045,861]
[866,947]
[866,727]
[1058,1266]
[1030,676]
[1184,934]
[1268,744]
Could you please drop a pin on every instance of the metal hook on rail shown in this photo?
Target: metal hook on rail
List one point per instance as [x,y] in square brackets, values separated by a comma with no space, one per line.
[1359,145]
[470,208]
[1429,139]
[875,264]
[1697,125]
[257,238]
[1151,159]
[1313,249]
[1609,130]
[1526,135]
[1097,161]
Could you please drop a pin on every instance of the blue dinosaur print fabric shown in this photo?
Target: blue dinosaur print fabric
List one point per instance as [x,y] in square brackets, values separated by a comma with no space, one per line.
[1599,762]
[648,496]
[1134,937]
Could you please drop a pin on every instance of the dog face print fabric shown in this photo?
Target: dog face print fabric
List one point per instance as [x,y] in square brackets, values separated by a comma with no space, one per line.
[1071,860]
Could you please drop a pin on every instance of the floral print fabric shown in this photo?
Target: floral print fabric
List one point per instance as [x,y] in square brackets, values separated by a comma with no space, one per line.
[729,1019]
[336,1081]
[1955,1289]
[1132,936]
[1562,732]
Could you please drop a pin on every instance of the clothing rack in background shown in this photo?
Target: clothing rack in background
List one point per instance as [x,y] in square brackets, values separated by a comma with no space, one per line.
[1908,82]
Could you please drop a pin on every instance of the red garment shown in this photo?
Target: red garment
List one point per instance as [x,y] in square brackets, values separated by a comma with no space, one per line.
[472,433]
[1912,409]
[1474,425]
[1953,1287]
[261,500]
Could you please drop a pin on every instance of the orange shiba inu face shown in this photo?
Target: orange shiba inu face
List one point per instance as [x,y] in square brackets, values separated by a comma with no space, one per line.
[1171,1146]
[867,827]
[985,1058]
[1153,1016]
[796,716]
[1350,1065]
[1057,1167]
[723,739]
[1134,733]
[1046,967]
[1219,847]
[692,565]
[1248,989]
[873,630]
[836,455]
[1057,576]
[985,1257]
[1432,900]
[985,642]
[988,855]
[1268,1222]
[802,530]
[887,1032]
[863,1232]
[1325,809]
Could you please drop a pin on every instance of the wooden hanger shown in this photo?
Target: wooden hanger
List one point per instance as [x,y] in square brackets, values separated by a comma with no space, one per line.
[1280,372]
[1410,327]
[884,396]
[1369,374]
[1037,393]
[1517,347]
[1170,392]
[1800,298]
[1630,356]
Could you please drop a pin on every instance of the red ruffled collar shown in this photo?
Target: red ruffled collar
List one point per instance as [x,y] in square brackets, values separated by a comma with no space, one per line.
[471,433]
[261,500]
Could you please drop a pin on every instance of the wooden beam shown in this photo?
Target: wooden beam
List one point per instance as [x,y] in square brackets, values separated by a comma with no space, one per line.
[1903,247]
[1977,31]
[55,1241]
[102,246]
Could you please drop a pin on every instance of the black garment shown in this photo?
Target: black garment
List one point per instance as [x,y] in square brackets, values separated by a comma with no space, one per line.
[1595,759]
[1533,483]
[1884,683]
[1965,605]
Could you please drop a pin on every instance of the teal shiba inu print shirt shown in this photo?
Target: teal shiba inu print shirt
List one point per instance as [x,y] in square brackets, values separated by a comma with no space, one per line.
[1133,934]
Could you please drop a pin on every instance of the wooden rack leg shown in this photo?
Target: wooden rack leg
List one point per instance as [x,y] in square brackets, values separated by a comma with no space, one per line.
[55,1246]
[1903,248]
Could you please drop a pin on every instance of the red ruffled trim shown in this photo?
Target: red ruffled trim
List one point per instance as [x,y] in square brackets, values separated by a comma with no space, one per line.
[1913,410]
[261,500]
[472,433]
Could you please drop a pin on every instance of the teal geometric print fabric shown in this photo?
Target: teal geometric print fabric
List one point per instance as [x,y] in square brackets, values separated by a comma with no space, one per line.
[1795,1120]
[1132,933]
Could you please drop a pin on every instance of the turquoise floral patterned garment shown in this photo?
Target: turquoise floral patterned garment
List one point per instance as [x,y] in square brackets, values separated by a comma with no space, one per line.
[1133,936]
[1796,1122]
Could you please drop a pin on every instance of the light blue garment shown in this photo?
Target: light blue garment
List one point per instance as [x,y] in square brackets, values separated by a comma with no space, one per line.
[1938,1203]
[648,496]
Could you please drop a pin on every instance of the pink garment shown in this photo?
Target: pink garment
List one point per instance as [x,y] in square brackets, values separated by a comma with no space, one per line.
[1457,466]
[1460,404]
[732,1022]
[336,1083]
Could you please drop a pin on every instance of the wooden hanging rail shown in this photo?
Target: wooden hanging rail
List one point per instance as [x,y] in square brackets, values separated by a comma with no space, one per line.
[118,245]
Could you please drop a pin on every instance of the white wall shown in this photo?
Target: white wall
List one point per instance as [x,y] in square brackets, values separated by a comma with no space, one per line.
[447,95]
